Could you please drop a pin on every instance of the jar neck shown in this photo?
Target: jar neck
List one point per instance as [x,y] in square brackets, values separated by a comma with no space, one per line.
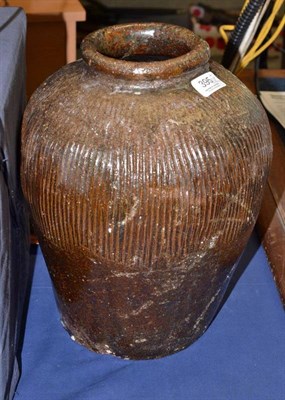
[146,52]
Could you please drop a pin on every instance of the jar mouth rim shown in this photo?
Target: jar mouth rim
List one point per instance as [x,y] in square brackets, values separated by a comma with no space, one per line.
[177,49]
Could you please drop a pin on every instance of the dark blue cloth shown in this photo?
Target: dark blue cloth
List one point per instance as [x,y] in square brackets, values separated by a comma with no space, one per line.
[14,236]
[240,357]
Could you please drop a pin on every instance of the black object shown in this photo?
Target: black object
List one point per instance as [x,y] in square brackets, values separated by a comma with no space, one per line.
[237,35]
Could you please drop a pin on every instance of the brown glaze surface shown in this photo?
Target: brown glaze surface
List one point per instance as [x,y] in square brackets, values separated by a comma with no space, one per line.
[143,192]
[108,49]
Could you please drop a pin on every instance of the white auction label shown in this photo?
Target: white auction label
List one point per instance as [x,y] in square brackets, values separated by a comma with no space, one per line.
[207,84]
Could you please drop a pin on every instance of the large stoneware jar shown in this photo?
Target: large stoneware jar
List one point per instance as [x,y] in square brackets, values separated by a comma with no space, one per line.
[143,165]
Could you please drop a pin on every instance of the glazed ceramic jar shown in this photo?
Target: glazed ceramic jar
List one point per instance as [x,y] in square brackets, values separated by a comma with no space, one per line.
[143,165]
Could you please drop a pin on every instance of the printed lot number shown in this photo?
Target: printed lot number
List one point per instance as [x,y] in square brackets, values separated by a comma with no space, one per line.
[207,84]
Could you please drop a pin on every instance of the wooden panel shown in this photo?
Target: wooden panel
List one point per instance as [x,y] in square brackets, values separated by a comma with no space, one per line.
[46,51]
[271,228]
[271,220]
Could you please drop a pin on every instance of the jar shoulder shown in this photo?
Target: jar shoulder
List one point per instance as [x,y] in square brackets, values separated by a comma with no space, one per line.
[98,106]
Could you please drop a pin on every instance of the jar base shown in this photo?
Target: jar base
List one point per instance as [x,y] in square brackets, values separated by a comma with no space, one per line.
[134,352]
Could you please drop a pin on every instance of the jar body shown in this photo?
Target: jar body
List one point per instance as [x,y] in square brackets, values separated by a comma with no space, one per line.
[143,197]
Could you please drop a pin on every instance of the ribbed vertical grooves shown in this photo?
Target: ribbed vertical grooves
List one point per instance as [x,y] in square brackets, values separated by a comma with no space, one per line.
[190,195]
[182,158]
[210,204]
[67,236]
[117,233]
[86,218]
[50,204]
[171,191]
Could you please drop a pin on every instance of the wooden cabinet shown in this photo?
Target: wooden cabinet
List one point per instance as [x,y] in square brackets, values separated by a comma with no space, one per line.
[51,36]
